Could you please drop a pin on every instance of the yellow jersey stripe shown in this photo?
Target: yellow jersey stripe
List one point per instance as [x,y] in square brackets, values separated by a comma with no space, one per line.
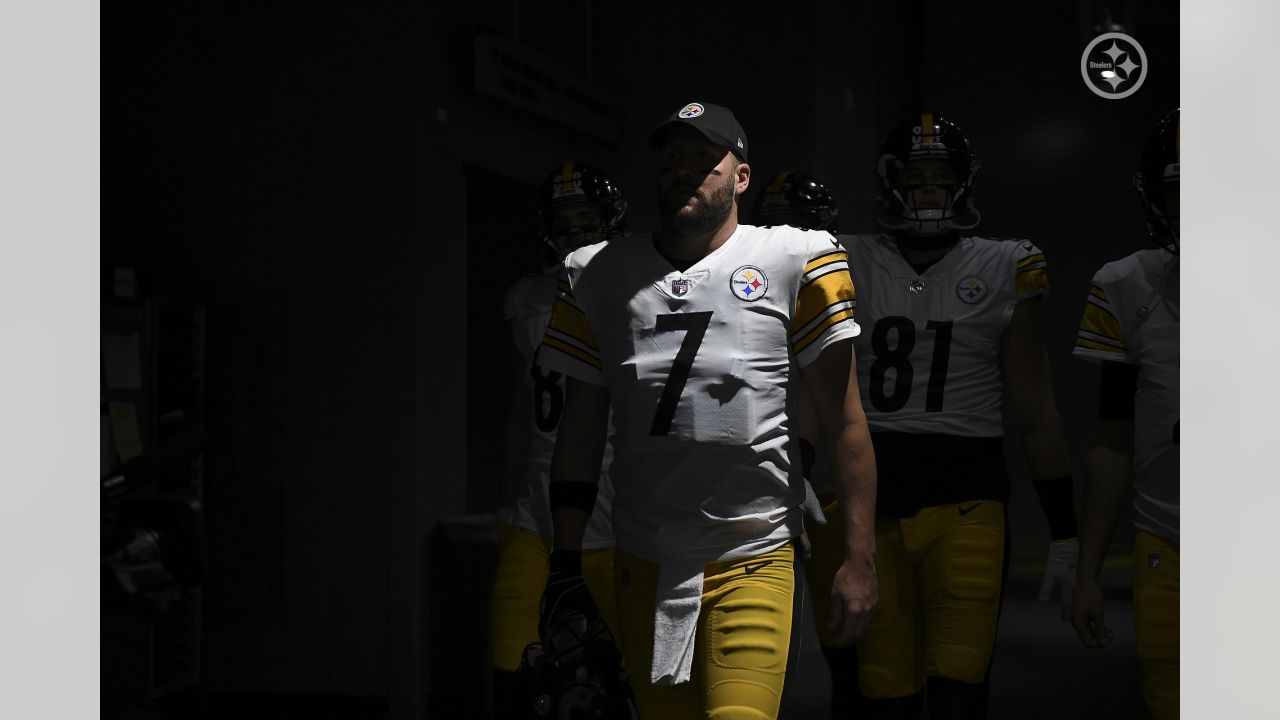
[836,318]
[1087,344]
[1031,281]
[1098,292]
[825,259]
[1101,322]
[1038,257]
[571,351]
[814,298]
[571,321]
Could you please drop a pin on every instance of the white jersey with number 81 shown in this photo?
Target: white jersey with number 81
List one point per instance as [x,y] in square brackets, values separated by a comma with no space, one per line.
[929,353]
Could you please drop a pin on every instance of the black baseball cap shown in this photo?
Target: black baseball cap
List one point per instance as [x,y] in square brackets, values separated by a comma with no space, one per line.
[715,122]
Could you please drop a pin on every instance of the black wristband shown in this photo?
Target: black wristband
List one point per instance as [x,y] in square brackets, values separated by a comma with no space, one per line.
[1057,498]
[576,495]
[565,562]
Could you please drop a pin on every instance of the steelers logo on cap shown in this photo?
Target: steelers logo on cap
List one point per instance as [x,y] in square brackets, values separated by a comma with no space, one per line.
[748,283]
[692,110]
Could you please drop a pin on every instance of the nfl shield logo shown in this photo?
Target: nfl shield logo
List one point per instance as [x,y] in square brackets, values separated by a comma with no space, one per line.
[679,287]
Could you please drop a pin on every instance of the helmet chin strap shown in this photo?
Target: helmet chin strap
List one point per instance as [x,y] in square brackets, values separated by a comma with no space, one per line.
[928,221]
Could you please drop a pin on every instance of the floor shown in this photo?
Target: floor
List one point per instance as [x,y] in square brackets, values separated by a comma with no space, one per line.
[1040,671]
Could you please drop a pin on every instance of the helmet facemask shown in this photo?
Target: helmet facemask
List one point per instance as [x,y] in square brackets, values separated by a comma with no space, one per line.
[926,195]
[577,205]
[1158,183]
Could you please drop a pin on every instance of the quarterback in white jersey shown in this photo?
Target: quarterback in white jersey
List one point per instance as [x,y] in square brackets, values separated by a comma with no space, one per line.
[1131,325]
[950,334]
[577,204]
[695,334]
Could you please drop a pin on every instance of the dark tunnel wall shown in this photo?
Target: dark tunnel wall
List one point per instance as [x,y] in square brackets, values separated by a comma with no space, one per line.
[309,172]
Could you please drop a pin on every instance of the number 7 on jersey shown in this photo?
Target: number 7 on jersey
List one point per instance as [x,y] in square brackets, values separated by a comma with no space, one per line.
[695,327]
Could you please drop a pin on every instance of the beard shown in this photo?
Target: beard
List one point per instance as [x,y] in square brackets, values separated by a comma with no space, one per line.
[703,217]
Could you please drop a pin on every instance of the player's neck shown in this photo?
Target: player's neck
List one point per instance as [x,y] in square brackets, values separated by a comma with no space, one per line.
[925,250]
[687,249]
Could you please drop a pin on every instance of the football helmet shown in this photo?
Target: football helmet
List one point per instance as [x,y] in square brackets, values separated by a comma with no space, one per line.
[570,184]
[799,199]
[1157,181]
[575,673]
[927,137]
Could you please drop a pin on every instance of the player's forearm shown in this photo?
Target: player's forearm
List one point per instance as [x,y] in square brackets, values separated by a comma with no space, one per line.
[1107,490]
[857,487]
[1047,455]
[570,526]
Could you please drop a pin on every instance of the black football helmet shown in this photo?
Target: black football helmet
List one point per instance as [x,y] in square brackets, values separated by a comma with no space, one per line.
[575,674]
[572,183]
[927,137]
[799,199]
[1157,180]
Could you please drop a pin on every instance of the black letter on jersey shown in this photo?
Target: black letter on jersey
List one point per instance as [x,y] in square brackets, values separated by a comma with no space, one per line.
[895,358]
[899,358]
[695,325]
[938,370]
[546,418]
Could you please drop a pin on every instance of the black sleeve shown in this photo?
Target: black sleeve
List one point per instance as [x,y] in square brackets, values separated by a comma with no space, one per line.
[1116,389]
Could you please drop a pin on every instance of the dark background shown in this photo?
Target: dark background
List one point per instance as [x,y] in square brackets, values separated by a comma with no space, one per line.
[328,182]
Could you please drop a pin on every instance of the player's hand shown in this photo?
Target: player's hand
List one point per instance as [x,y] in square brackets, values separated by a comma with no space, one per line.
[1060,570]
[567,606]
[855,591]
[1087,615]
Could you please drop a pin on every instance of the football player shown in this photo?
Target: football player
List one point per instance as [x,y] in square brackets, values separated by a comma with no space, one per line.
[1130,324]
[797,199]
[694,333]
[577,205]
[953,328]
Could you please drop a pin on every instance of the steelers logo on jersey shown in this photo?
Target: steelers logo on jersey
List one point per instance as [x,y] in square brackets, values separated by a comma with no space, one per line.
[692,110]
[972,289]
[748,283]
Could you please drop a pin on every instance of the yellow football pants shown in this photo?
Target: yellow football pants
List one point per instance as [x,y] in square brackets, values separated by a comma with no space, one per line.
[1156,621]
[939,574]
[740,653]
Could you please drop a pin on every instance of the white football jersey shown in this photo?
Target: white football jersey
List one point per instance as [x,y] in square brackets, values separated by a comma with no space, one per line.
[527,309]
[1132,317]
[930,359]
[698,363]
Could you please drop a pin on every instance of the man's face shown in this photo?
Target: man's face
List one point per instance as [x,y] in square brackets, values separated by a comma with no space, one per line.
[927,184]
[576,225]
[697,182]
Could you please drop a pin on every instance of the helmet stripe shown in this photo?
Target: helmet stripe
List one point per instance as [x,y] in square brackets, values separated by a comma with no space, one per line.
[927,134]
[778,181]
